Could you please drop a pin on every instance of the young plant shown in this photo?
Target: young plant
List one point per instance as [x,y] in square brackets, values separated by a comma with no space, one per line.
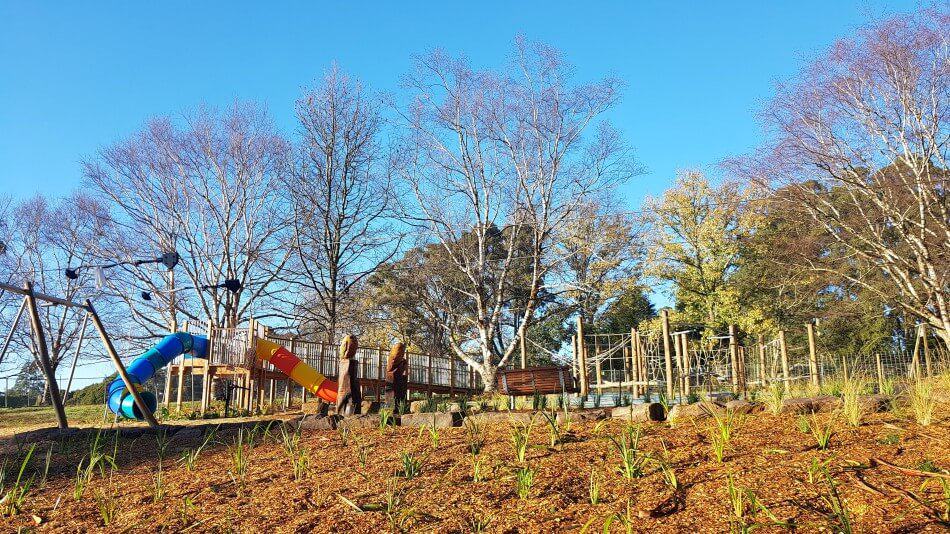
[628,448]
[521,438]
[478,466]
[556,431]
[433,436]
[476,438]
[851,392]
[740,507]
[524,478]
[411,466]
[13,498]
[189,458]
[775,398]
[922,401]
[596,485]
[86,469]
[804,425]
[840,515]
[362,451]
[397,513]
[721,433]
[386,419]
[822,432]
[344,432]
[299,456]
[239,455]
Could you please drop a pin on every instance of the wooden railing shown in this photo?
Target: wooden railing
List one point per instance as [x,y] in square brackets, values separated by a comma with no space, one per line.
[230,347]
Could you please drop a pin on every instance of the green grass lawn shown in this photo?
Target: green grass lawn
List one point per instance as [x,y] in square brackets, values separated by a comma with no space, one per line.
[14,420]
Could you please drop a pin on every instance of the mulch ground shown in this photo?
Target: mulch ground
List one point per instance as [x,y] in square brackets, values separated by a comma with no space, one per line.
[770,461]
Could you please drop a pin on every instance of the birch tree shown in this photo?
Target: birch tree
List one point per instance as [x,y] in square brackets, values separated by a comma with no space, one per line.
[496,163]
[341,193]
[206,186]
[860,140]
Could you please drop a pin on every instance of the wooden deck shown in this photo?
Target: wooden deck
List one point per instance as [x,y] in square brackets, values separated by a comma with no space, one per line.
[229,357]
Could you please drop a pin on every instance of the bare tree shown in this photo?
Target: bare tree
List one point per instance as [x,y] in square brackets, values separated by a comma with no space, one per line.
[42,239]
[496,163]
[208,187]
[862,140]
[341,194]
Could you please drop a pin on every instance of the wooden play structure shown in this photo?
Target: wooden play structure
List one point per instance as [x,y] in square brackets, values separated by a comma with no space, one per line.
[230,357]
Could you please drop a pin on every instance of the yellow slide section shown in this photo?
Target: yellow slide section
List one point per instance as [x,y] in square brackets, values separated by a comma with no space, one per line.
[297,370]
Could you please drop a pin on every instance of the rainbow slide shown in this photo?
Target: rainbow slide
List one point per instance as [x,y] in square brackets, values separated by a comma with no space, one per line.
[121,402]
[297,370]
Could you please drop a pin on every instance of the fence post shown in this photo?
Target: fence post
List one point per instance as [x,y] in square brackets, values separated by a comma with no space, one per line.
[783,349]
[288,390]
[684,341]
[763,380]
[813,355]
[668,354]
[582,353]
[634,363]
[734,358]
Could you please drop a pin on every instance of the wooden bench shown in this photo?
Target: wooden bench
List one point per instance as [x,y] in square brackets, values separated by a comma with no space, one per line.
[536,381]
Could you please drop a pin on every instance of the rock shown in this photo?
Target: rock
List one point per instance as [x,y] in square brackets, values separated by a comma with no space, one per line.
[360,421]
[650,411]
[578,416]
[318,422]
[436,419]
[720,397]
[501,417]
[743,407]
[824,403]
[453,407]
[699,410]
[369,407]
[418,406]
[874,403]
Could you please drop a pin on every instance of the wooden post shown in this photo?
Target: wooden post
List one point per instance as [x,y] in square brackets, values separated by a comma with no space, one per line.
[783,350]
[813,355]
[763,376]
[687,364]
[668,353]
[844,367]
[582,362]
[146,413]
[734,358]
[168,387]
[880,372]
[743,376]
[181,384]
[926,344]
[207,376]
[678,363]
[634,362]
[72,368]
[45,364]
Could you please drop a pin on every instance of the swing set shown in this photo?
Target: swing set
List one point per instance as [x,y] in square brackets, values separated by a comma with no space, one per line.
[41,350]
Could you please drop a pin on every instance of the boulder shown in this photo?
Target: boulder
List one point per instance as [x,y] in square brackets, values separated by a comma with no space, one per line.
[824,403]
[578,416]
[720,397]
[369,407]
[650,411]
[698,410]
[435,419]
[360,421]
[743,407]
[318,422]
[501,417]
[874,403]
[418,406]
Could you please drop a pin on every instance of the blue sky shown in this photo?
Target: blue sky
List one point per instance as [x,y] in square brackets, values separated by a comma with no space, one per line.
[77,76]
[81,75]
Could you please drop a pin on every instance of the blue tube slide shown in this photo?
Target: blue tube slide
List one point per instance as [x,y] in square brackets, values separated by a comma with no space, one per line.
[119,399]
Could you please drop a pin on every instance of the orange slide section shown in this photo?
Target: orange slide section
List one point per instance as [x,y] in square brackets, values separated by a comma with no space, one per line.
[297,370]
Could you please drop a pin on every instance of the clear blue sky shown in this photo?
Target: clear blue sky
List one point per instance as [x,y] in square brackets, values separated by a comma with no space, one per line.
[79,75]
[75,76]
